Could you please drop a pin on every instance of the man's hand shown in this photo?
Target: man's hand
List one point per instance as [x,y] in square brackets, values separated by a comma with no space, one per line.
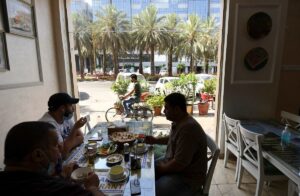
[91,181]
[80,123]
[150,140]
[68,169]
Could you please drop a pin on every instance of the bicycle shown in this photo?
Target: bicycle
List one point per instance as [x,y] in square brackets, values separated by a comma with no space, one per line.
[140,111]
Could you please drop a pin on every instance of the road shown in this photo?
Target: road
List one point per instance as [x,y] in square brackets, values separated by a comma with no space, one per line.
[96,97]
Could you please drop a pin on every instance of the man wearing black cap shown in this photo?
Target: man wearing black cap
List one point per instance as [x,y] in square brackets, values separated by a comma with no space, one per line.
[60,113]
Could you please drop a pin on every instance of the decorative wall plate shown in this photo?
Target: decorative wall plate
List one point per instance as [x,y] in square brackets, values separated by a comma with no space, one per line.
[259,25]
[256,58]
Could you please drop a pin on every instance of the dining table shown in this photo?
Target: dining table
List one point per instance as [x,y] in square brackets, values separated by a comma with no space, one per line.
[145,175]
[284,156]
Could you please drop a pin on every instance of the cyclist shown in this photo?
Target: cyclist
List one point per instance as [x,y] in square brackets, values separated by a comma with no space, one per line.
[133,96]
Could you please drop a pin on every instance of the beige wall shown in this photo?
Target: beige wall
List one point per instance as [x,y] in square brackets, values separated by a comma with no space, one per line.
[248,100]
[29,103]
[289,89]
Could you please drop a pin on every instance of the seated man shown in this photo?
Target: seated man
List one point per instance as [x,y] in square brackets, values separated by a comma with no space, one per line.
[134,95]
[31,148]
[183,169]
[60,113]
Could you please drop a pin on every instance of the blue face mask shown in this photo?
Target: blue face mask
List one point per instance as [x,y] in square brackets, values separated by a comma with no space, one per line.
[68,115]
[53,168]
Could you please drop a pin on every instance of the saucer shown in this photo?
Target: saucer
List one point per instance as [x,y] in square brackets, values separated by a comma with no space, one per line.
[124,177]
[141,152]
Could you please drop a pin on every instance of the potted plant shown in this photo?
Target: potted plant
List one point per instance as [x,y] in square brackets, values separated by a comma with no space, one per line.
[156,102]
[207,95]
[208,91]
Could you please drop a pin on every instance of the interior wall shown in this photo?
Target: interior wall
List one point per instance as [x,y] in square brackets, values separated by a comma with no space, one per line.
[289,95]
[248,100]
[29,103]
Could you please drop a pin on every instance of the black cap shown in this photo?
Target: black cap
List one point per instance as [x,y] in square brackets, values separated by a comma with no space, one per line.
[59,99]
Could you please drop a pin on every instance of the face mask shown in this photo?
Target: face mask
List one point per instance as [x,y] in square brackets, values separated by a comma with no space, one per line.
[53,167]
[68,115]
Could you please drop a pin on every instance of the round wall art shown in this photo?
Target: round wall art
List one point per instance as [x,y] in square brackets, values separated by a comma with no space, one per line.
[259,25]
[256,58]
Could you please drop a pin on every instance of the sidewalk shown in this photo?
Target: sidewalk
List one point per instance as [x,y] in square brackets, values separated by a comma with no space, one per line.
[96,97]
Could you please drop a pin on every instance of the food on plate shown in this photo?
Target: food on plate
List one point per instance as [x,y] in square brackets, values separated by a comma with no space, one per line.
[107,149]
[81,175]
[122,137]
[114,158]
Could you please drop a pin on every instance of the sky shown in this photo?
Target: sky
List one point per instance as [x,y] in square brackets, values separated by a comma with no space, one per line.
[88,1]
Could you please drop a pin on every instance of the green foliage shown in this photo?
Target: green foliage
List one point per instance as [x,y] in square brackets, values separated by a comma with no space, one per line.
[152,78]
[156,100]
[210,86]
[120,87]
[185,85]
[180,67]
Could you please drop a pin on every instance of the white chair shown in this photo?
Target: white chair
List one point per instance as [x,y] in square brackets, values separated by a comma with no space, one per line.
[292,120]
[231,140]
[87,127]
[212,157]
[252,160]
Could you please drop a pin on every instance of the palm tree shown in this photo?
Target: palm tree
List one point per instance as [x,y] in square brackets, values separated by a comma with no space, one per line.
[171,24]
[208,42]
[149,32]
[190,34]
[82,36]
[112,27]
[138,44]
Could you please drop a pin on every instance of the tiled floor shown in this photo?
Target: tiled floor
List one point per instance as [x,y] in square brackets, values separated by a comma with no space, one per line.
[223,183]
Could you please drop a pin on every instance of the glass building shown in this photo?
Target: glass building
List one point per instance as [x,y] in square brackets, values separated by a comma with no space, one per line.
[183,8]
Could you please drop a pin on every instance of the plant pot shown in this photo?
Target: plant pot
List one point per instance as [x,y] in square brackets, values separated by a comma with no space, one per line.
[203,108]
[189,109]
[157,110]
[205,96]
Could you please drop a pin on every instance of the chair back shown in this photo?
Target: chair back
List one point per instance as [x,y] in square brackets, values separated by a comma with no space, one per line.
[212,157]
[250,148]
[292,120]
[231,130]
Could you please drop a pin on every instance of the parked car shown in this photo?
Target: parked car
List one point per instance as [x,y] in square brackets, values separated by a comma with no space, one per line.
[201,78]
[163,72]
[161,83]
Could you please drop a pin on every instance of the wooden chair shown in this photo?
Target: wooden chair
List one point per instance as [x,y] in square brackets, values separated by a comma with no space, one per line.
[252,160]
[293,189]
[213,154]
[231,140]
[292,120]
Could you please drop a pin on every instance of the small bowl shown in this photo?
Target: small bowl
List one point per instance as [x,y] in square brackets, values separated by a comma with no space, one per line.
[80,174]
[116,172]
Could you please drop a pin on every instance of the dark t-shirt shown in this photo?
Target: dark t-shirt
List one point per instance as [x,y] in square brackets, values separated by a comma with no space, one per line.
[31,183]
[137,90]
[187,145]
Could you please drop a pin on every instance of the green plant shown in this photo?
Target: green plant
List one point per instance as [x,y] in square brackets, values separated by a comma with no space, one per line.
[185,85]
[210,86]
[156,100]
[180,67]
[120,87]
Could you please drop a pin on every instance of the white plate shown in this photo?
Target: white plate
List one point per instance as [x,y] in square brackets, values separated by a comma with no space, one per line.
[114,158]
[138,153]
[126,174]
[80,174]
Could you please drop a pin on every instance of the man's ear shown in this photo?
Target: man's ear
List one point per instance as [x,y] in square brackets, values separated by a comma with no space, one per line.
[38,155]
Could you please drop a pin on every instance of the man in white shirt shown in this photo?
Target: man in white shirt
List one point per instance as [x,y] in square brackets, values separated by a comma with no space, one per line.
[60,113]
